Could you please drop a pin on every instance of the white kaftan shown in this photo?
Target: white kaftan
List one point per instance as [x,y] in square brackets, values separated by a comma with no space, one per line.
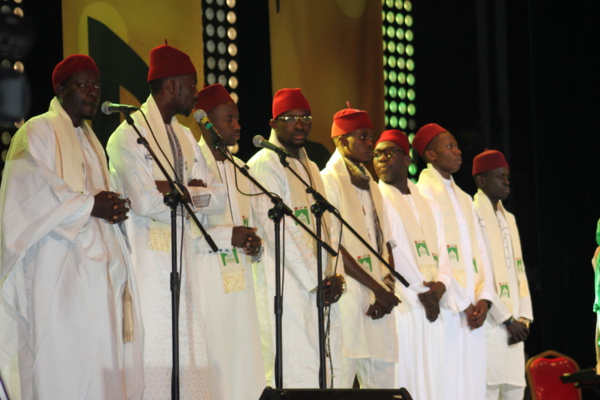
[420,342]
[300,338]
[236,369]
[363,337]
[64,272]
[464,349]
[506,363]
[148,231]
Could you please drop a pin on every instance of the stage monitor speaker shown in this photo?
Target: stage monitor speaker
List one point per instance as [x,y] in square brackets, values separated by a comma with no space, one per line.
[335,394]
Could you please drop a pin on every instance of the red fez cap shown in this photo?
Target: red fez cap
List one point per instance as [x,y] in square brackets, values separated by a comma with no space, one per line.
[289,99]
[212,96]
[425,135]
[487,161]
[166,61]
[70,66]
[348,120]
[397,137]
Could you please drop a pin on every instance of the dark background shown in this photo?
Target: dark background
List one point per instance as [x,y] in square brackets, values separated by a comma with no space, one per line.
[514,75]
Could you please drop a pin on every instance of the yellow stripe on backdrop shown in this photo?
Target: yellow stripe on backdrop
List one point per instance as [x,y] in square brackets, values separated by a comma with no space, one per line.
[332,50]
[134,27]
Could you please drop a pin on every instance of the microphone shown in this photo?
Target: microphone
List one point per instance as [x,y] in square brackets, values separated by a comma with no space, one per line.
[201,118]
[260,141]
[109,108]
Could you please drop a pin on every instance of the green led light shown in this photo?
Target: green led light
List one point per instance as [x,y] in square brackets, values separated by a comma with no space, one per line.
[409,35]
[383,16]
[403,123]
[402,93]
[399,19]
[410,50]
[385,105]
[394,121]
[393,107]
[402,108]
[410,65]
[399,33]
[391,32]
[398,4]
[386,120]
[385,90]
[390,3]
[390,17]
[411,137]
[385,74]
[410,79]
[392,61]
[393,91]
[400,48]
[412,169]
[411,94]
[411,109]
[384,59]
[402,78]
[383,30]
[407,5]
[401,63]
[391,46]
[408,20]
[392,76]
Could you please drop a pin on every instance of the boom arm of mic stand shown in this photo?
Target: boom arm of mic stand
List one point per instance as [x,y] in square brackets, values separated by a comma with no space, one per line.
[142,140]
[276,200]
[329,207]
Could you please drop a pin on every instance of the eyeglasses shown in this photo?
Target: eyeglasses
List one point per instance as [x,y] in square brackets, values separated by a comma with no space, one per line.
[84,84]
[291,119]
[389,153]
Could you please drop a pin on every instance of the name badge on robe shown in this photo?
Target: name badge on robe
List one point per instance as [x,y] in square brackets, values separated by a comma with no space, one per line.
[302,214]
[421,248]
[453,252]
[232,271]
[504,290]
[365,262]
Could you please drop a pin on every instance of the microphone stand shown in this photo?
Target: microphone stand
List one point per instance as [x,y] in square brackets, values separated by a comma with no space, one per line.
[276,213]
[172,200]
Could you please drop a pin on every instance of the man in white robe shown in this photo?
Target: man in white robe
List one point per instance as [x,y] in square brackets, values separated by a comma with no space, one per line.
[471,292]
[507,323]
[172,79]
[420,256]
[236,369]
[291,126]
[69,311]
[368,327]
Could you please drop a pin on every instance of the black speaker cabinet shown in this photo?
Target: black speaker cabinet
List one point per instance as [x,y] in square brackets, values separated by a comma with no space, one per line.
[335,394]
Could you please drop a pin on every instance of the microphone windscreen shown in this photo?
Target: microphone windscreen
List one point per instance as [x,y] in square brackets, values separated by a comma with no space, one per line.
[105,107]
[256,141]
[199,115]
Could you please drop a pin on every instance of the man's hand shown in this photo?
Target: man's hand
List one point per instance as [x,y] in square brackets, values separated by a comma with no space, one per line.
[385,300]
[477,315]
[165,188]
[109,206]
[375,311]
[431,299]
[332,289]
[518,332]
[247,239]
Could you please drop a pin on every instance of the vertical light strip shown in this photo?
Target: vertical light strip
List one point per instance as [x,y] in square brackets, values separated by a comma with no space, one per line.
[399,70]
[15,40]
[220,48]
